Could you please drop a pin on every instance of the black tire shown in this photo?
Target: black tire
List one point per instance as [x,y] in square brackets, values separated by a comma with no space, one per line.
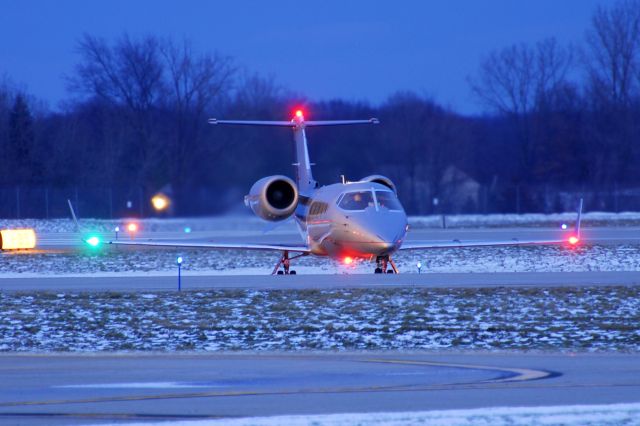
[378,271]
[280,273]
[390,271]
[292,272]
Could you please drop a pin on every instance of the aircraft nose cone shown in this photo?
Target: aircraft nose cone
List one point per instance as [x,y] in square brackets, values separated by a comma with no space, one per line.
[387,231]
[372,232]
[389,235]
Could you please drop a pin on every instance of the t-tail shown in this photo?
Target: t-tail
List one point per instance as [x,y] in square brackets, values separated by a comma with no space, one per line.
[306,183]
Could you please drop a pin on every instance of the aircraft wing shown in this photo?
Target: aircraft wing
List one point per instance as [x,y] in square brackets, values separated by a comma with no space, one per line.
[571,240]
[459,244]
[212,245]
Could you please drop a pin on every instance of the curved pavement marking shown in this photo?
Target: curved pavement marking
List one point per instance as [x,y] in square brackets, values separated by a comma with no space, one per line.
[513,374]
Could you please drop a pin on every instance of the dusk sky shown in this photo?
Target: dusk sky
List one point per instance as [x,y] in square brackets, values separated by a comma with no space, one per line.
[362,50]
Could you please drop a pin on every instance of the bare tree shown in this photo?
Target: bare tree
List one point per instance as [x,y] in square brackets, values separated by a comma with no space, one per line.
[506,80]
[519,82]
[553,64]
[126,75]
[613,43]
[417,139]
[519,79]
[195,82]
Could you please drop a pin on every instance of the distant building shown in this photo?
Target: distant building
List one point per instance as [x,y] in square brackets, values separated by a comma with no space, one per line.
[460,193]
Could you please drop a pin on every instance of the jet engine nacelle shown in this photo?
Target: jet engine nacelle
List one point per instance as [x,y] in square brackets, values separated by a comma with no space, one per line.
[273,198]
[382,180]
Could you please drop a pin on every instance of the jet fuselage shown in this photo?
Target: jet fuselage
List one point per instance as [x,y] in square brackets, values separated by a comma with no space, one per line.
[354,219]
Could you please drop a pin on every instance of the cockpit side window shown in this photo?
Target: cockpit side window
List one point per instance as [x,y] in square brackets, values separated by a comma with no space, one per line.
[387,199]
[356,200]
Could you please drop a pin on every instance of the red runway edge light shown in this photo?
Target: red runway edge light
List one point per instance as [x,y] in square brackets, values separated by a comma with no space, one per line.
[17,239]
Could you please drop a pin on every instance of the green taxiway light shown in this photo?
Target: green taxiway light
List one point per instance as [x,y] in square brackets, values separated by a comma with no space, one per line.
[93,241]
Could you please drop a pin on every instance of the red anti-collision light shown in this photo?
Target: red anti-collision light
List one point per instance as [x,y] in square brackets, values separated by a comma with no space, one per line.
[299,113]
[348,260]
[573,240]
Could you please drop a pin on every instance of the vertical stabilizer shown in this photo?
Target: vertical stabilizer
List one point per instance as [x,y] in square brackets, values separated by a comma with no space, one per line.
[304,177]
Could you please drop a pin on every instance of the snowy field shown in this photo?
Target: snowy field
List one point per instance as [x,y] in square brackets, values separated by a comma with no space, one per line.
[566,319]
[111,260]
[120,261]
[569,415]
[252,223]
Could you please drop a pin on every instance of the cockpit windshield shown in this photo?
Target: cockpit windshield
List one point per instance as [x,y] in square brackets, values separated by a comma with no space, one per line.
[356,200]
[387,199]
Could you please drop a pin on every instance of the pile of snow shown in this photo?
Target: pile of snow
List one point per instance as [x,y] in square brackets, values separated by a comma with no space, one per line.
[568,415]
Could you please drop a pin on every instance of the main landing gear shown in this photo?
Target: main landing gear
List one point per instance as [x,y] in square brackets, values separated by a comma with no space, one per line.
[285,261]
[382,263]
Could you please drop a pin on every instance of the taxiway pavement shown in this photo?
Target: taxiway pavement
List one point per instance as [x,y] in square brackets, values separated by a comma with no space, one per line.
[70,388]
[151,283]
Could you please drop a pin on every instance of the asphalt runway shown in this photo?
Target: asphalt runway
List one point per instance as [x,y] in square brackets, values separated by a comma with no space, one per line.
[63,389]
[147,283]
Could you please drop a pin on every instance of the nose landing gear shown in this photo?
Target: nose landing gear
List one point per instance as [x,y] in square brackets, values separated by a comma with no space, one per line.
[382,262]
[285,261]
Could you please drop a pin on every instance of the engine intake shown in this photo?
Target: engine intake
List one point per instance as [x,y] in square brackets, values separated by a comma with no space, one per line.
[273,198]
[382,180]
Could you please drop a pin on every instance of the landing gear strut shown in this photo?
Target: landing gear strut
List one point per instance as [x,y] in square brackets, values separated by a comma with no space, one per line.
[285,261]
[382,262]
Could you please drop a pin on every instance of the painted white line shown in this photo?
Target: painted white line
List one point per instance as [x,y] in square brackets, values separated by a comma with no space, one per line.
[140,385]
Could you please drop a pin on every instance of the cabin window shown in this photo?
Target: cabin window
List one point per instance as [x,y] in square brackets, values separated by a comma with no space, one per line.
[356,200]
[387,199]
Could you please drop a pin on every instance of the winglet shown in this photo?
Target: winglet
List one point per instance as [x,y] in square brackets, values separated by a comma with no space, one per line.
[578,219]
[73,216]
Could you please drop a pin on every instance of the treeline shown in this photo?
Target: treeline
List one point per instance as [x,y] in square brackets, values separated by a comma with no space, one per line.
[560,122]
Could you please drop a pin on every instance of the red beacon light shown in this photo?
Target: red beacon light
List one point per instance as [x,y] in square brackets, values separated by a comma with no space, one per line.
[299,114]
[573,240]
[348,260]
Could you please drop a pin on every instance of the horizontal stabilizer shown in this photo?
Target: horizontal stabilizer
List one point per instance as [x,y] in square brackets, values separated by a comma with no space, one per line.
[293,123]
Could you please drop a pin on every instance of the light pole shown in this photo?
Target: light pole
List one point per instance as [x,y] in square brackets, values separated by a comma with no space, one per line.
[419,265]
[179,262]
[117,230]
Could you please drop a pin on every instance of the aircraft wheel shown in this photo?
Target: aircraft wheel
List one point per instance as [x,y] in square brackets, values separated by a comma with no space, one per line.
[280,273]
[378,271]
[390,271]
[292,272]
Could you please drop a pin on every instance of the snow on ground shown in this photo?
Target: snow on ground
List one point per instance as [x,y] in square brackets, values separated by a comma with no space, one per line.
[572,319]
[528,220]
[121,261]
[250,222]
[568,415]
